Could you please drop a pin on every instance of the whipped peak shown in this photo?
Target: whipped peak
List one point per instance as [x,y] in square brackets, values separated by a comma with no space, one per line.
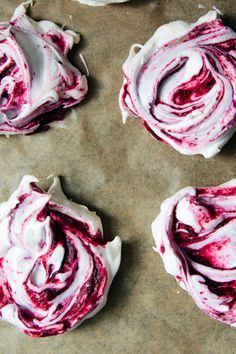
[55,268]
[35,74]
[182,85]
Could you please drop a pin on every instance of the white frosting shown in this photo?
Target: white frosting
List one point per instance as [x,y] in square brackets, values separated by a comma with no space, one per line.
[34,260]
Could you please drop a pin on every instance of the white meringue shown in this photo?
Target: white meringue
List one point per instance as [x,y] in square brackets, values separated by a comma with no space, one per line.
[195,235]
[55,269]
[182,85]
[35,74]
[100,2]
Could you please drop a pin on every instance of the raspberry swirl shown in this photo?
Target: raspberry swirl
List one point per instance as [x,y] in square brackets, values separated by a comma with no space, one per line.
[55,269]
[182,85]
[195,235]
[35,74]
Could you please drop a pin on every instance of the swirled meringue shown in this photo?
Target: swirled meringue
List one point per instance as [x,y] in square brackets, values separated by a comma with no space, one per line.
[55,269]
[182,85]
[100,2]
[195,235]
[35,74]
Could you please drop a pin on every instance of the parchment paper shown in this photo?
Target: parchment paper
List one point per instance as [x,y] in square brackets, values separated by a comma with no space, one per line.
[123,174]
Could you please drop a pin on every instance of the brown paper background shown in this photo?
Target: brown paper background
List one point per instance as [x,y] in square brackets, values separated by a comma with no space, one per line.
[123,174]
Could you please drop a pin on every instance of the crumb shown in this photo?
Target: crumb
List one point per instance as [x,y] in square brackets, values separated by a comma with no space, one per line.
[50,176]
[200,6]
[84,63]
[73,115]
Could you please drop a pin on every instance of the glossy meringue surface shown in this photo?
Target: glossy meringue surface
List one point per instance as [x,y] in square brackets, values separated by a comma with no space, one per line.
[182,85]
[35,75]
[195,235]
[55,268]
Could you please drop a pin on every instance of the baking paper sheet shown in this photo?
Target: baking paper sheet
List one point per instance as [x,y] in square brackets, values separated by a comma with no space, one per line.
[124,174]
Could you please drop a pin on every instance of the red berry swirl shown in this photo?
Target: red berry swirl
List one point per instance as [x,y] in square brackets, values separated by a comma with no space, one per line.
[35,74]
[182,85]
[55,269]
[195,235]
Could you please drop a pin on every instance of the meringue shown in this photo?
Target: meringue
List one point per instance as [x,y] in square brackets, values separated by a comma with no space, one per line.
[35,74]
[100,2]
[55,268]
[195,235]
[182,85]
